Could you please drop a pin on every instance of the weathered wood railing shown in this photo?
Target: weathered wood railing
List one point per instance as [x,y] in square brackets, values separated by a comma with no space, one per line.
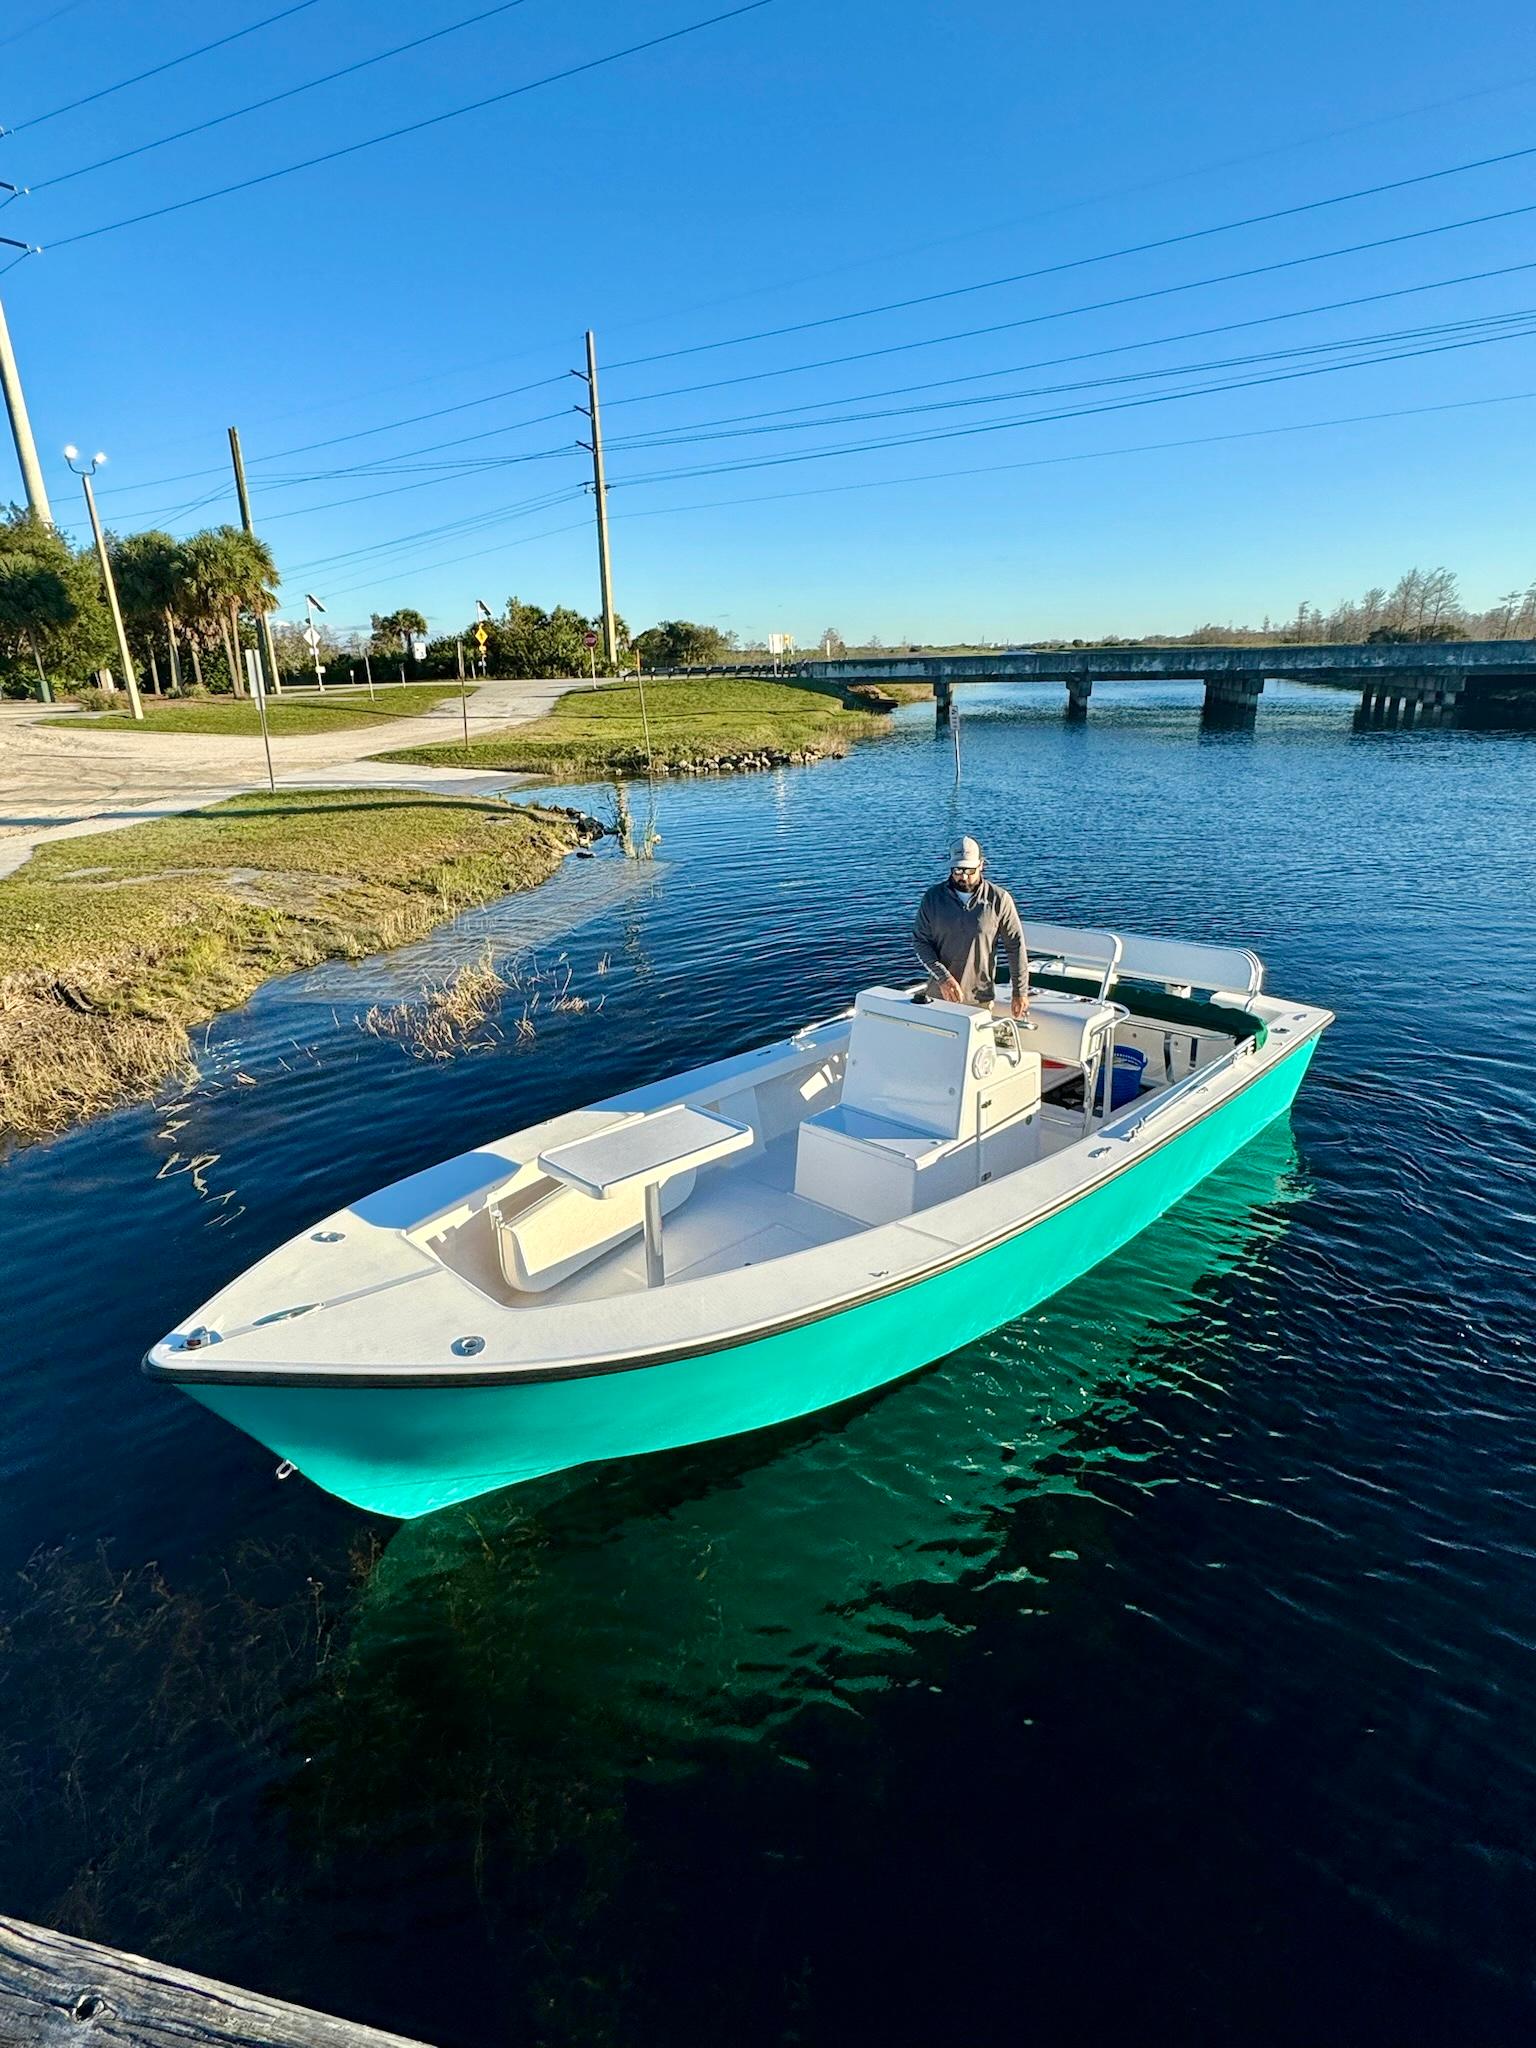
[59,1992]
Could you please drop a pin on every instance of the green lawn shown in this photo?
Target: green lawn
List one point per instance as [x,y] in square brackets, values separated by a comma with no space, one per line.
[286,716]
[113,945]
[715,721]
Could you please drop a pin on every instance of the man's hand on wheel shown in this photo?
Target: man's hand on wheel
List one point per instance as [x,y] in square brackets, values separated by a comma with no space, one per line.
[1020,1003]
[952,992]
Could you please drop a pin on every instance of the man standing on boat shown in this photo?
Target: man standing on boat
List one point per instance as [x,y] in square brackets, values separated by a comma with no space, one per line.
[960,923]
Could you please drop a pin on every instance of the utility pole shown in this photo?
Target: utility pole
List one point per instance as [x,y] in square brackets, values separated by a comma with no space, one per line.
[85,475]
[21,429]
[268,644]
[600,492]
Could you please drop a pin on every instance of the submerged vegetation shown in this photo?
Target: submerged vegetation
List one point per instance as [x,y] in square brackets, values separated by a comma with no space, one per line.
[476,1004]
[676,726]
[113,947]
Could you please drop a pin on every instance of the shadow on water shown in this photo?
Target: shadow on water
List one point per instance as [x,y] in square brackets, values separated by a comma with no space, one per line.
[553,1686]
[474,1725]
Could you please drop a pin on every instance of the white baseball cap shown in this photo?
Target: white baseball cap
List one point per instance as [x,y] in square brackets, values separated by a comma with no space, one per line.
[965,853]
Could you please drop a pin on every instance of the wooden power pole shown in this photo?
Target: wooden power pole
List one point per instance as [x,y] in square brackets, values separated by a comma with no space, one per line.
[269,646]
[600,492]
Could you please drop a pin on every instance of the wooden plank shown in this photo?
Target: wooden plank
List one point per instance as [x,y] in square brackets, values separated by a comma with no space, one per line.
[60,1992]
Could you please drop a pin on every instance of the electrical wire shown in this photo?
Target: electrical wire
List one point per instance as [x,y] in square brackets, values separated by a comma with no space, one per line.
[746,424]
[897,348]
[522,509]
[779,286]
[452,561]
[416,127]
[43,21]
[105,91]
[993,284]
[883,483]
[276,98]
[335,441]
[1042,419]
[987,469]
[1091,354]
[117,490]
[366,497]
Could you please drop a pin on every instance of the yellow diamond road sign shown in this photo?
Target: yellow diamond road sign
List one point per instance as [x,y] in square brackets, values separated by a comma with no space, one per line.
[481,635]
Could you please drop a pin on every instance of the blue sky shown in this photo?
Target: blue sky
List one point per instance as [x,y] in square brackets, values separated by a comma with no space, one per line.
[798,163]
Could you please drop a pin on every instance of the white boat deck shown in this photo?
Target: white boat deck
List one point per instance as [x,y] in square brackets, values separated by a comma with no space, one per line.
[744,1212]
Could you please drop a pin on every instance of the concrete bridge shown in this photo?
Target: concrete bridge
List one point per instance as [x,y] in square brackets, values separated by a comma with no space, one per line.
[1410,683]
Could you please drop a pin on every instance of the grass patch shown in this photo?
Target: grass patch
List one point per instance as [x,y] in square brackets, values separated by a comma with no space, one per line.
[713,722]
[287,716]
[113,947]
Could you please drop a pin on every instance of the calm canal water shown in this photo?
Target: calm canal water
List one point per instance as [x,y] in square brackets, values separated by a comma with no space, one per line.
[1163,1662]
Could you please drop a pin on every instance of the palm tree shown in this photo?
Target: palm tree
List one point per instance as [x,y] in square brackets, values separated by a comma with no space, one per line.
[227,571]
[147,568]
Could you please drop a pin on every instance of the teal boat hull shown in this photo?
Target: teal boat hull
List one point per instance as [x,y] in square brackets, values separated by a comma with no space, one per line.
[405,1451]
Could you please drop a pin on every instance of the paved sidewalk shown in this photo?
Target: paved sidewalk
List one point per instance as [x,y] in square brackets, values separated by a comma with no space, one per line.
[63,781]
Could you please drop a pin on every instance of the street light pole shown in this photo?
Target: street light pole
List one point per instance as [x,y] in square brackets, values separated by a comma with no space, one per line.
[129,678]
[311,606]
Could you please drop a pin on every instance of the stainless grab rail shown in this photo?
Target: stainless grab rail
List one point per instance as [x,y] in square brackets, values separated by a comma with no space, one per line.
[1192,1083]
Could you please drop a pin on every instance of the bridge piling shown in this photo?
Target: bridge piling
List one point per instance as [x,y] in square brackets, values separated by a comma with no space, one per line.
[1232,699]
[1079,690]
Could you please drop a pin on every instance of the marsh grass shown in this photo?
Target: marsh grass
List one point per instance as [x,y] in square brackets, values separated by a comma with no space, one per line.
[716,723]
[112,948]
[472,1009]
[447,1019]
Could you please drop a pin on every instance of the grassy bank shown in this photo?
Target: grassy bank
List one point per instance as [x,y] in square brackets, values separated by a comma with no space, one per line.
[286,716]
[715,722]
[113,947]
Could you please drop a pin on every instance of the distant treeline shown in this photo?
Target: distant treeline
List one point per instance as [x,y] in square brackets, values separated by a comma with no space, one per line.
[1424,604]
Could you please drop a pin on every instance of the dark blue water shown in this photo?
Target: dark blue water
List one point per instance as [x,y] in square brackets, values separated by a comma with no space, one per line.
[1162,1663]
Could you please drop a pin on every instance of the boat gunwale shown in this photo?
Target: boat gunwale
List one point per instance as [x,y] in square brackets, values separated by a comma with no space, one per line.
[411,1378]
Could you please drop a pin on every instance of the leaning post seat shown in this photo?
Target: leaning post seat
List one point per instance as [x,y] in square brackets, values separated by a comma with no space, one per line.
[930,1106]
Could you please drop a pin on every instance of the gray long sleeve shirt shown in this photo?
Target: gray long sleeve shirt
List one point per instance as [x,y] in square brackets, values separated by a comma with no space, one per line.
[960,935]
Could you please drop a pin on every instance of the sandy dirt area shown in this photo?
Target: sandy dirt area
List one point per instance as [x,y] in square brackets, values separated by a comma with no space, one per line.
[64,780]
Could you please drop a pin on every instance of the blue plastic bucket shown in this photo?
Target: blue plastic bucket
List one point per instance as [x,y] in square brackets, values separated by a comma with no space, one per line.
[1125,1080]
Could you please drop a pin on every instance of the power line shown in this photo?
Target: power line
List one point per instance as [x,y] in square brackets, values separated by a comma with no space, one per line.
[361,433]
[750,424]
[416,127]
[274,99]
[521,510]
[120,490]
[896,348]
[155,70]
[526,540]
[1044,419]
[884,483]
[993,469]
[43,21]
[1083,355]
[451,476]
[993,284]
[777,287]
[780,285]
